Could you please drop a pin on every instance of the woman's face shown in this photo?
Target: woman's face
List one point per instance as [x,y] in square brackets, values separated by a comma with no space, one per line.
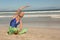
[21,14]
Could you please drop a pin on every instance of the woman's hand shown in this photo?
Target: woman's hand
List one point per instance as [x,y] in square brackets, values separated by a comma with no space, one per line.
[23,7]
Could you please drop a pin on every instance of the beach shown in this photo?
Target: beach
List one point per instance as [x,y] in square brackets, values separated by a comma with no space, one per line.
[32,34]
[44,26]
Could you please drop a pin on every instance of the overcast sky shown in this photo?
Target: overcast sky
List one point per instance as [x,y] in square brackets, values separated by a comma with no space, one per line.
[34,4]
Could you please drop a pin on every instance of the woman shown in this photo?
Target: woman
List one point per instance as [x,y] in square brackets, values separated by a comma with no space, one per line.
[16,21]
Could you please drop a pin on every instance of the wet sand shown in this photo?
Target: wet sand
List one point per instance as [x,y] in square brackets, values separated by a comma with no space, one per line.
[34,33]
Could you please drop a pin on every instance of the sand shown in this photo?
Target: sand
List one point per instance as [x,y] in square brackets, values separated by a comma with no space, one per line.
[32,34]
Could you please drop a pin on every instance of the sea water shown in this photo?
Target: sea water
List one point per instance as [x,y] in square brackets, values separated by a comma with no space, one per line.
[34,18]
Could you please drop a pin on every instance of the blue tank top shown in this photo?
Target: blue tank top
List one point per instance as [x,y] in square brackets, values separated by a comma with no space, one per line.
[13,23]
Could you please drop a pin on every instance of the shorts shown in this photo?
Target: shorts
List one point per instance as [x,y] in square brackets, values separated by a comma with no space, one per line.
[13,30]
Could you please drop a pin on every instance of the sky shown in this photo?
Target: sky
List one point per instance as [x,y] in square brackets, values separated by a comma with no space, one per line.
[34,4]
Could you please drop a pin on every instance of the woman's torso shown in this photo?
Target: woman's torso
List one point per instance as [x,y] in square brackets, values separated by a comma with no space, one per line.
[14,23]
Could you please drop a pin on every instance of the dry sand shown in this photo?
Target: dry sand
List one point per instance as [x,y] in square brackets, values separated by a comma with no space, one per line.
[32,34]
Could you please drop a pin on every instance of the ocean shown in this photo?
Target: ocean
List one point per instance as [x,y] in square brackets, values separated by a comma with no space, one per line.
[49,19]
